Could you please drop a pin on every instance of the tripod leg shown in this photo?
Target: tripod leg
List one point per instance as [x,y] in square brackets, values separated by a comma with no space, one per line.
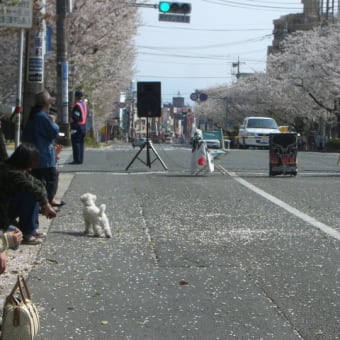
[157,156]
[137,154]
[148,161]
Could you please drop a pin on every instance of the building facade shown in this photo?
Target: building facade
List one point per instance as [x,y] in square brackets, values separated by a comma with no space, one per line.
[314,13]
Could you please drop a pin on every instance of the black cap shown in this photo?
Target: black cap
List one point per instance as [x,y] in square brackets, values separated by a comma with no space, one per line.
[79,94]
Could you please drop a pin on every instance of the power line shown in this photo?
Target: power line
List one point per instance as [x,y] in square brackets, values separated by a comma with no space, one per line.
[229,59]
[207,29]
[184,77]
[200,47]
[252,6]
[268,2]
[216,57]
[183,63]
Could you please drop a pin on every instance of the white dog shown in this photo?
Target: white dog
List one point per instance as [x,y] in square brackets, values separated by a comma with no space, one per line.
[95,217]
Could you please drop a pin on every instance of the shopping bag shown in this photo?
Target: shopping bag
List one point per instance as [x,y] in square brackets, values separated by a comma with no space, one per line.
[201,160]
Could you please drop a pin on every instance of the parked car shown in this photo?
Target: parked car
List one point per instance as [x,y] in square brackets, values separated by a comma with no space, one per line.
[255,131]
[213,143]
[138,142]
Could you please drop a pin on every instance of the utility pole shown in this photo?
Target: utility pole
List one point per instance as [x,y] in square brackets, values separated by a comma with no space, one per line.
[36,47]
[62,68]
[237,65]
[18,104]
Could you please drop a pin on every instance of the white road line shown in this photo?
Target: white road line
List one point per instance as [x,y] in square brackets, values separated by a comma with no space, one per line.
[311,220]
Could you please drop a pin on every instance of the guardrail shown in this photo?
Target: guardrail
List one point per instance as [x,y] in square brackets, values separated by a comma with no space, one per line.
[218,134]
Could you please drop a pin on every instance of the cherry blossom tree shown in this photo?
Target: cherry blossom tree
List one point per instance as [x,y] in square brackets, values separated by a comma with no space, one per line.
[100,51]
[300,84]
[310,68]
[8,63]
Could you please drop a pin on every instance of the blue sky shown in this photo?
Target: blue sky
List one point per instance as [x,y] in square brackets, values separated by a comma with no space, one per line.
[198,55]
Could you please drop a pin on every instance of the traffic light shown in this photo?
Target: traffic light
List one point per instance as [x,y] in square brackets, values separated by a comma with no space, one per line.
[174,7]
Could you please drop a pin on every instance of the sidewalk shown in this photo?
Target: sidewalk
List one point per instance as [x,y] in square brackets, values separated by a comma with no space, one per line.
[26,257]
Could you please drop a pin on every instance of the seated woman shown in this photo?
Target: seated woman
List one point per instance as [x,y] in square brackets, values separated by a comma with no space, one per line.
[22,196]
[8,239]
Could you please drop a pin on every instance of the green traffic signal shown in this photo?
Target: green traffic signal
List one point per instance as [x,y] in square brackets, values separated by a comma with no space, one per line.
[164,6]
[174,7]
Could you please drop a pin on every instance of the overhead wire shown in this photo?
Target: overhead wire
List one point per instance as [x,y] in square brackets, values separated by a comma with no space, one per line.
[248,4]
[200,47]
[252,6]
[207,29]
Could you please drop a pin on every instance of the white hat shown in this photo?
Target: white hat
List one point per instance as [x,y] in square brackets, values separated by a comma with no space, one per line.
[43,98]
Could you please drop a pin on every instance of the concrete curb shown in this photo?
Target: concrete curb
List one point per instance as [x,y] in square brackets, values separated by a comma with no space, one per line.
[26,257]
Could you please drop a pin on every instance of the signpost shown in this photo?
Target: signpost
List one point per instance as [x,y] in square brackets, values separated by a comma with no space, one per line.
[198,96]
[174,18]
[36,48]
[19,14]
[16,13]
[194,96]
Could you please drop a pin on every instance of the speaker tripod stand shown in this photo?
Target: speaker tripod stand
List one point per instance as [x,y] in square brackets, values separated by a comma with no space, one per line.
[149,146]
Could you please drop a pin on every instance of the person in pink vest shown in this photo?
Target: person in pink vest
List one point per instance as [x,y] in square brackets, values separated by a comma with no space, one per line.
[78,128]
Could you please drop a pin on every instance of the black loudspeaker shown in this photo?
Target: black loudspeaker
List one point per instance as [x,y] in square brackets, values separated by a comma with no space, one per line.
[149,99]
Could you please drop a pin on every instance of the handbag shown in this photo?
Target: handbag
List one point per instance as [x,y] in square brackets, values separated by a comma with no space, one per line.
[20,317]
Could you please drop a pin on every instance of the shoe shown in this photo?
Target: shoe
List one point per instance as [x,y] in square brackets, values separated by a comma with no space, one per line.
[31,240]
[75,162]
[60,204]
[38,234]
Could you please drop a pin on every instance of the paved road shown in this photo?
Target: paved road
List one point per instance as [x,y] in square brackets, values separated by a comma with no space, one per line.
[229,256]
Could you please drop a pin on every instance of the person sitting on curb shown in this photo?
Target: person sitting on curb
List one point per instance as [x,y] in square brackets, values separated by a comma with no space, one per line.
[21,194]
[8,239]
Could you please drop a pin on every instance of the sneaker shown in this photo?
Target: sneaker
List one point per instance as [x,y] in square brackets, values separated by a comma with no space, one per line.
[39,234]
[60,204]
[31,240]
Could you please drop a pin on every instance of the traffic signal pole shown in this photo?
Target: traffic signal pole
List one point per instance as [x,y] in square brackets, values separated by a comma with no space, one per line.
[145,5]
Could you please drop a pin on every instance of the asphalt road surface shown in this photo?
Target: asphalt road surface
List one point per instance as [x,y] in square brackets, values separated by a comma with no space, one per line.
[232,255]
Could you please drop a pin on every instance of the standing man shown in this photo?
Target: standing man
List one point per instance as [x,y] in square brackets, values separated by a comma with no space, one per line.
[78,127]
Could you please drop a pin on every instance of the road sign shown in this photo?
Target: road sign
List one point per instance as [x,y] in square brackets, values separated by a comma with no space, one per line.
[174,18]
[194,96]
[36,48]
[198,96]
[16,13]
[203,97]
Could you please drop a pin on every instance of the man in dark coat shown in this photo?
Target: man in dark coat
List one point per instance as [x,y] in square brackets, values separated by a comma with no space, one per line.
[78,127]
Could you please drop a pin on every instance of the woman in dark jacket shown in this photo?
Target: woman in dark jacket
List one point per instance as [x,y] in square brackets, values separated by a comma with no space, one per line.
[21,194]
[41,130]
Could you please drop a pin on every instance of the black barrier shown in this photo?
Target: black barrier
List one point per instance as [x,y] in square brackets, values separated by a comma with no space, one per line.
[283,154]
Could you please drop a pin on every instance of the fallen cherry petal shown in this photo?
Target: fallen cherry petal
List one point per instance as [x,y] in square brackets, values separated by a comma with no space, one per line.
[183,283]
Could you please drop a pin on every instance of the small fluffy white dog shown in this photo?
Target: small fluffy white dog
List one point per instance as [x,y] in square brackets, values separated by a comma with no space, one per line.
[95,217]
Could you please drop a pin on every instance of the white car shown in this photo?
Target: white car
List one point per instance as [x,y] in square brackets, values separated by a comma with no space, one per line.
[255,131]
